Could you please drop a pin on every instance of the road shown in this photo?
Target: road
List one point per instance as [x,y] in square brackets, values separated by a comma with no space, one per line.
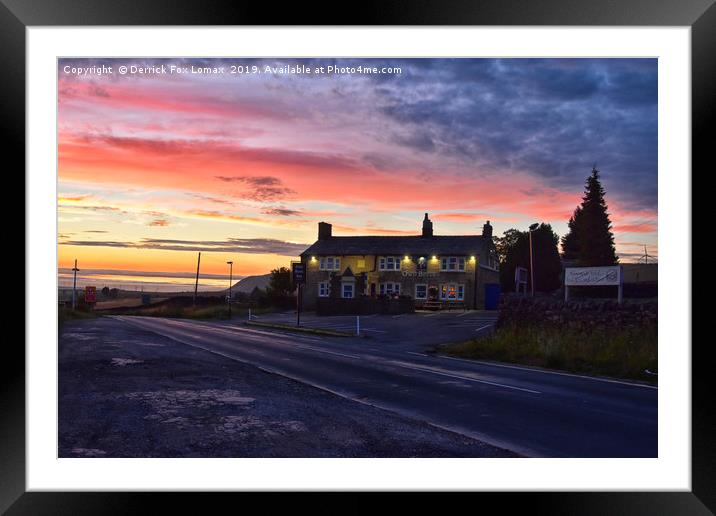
[532,412]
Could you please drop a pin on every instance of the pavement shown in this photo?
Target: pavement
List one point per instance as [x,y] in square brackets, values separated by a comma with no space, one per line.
[532,412]
[129,392]
[410,331]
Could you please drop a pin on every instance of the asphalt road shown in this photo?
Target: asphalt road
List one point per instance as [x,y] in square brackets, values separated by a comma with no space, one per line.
[532,412]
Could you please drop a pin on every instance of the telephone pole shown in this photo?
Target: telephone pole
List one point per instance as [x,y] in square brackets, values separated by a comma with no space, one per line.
[231,270]
[74,285]
[196,284]
[532,270]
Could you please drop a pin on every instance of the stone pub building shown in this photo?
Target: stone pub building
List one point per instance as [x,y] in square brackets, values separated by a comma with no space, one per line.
[436,271]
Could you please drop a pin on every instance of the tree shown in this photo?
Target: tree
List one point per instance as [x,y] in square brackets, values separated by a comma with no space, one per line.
[105,292]
[570,245]
[590,240]
[545,256]
[507,241]
[280,283]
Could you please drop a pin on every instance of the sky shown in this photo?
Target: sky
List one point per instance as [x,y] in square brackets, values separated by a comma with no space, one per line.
[157,163]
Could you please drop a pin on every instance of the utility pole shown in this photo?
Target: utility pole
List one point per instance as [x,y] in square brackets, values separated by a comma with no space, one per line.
[532,269]
[231,270]
[74,285]
[196,284]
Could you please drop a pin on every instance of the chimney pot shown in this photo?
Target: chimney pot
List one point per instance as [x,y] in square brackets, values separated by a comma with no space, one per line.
[325,231]
[427,227]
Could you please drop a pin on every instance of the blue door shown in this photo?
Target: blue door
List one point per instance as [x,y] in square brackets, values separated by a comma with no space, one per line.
[492,296]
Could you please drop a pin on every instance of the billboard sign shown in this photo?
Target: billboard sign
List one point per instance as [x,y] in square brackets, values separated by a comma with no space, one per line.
[593,276]
[90,294]
[298,273]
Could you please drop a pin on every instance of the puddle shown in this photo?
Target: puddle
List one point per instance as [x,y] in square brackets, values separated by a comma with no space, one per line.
[169,405]
[242,424]
[88,452]
[121,362]
[79,336]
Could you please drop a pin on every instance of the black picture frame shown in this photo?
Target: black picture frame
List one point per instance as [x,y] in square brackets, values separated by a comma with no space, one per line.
[700,15]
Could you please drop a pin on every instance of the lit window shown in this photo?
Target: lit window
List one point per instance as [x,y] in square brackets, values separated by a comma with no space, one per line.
[421,291]
[347,290]
[452,292]
[324,289]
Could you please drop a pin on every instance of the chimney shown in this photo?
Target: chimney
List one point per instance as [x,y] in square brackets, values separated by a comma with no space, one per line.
[487,230]
[325,231]
[427,227]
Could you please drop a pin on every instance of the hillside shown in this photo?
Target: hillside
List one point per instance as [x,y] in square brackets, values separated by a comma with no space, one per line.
[248,284]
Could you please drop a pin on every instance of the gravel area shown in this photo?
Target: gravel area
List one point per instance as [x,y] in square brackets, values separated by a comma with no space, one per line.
[126,392]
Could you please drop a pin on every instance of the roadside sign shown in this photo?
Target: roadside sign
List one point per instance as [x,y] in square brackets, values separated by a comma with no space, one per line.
[521,279]
[90,294]
[298,271]
[592,277]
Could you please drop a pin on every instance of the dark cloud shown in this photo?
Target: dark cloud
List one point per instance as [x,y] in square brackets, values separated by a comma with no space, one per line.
[549,117]
[158,223]
[281,211]
[230,245]
[263,188]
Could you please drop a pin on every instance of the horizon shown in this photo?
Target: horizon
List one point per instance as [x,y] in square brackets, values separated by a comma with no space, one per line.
[153,168]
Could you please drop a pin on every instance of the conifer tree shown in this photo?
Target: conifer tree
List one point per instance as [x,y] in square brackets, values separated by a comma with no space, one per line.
[590,239]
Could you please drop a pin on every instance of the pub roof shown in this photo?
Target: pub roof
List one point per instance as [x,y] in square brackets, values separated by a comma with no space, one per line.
[467,245]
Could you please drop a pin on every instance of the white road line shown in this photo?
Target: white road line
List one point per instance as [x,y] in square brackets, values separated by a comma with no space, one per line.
[233,333]
[460,377]
[483,327]
[545,371]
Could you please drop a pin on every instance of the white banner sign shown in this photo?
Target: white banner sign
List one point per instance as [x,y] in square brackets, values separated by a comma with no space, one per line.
[578,276]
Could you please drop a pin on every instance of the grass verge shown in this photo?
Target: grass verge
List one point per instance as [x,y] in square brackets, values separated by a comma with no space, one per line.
[301,329]
[187,312]
[67,314]
[619,353]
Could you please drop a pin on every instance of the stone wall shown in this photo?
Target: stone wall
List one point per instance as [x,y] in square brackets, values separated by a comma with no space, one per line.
[581,315]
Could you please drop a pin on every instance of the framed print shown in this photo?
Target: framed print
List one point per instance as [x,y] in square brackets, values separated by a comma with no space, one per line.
[421,252]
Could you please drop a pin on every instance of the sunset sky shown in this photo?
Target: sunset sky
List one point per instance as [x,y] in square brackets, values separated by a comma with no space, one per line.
[155,167]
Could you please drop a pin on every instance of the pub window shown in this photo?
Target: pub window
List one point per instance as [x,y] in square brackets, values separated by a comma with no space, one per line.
[389,263]
[347,290]
[452,292]
[389,288]
[452,263]
[422,264]
[421,291]
[324,289]
[330,263]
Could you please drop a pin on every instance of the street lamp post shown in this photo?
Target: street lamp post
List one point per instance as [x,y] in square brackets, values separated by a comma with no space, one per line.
[231,270]
[532,268]
[74,285]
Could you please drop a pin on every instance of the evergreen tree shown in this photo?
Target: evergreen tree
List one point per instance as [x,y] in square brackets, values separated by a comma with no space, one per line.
[590,240]
[570,245]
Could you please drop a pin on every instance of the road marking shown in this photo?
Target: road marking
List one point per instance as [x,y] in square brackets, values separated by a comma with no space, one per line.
[536,370]
[460,377]
[483,327]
